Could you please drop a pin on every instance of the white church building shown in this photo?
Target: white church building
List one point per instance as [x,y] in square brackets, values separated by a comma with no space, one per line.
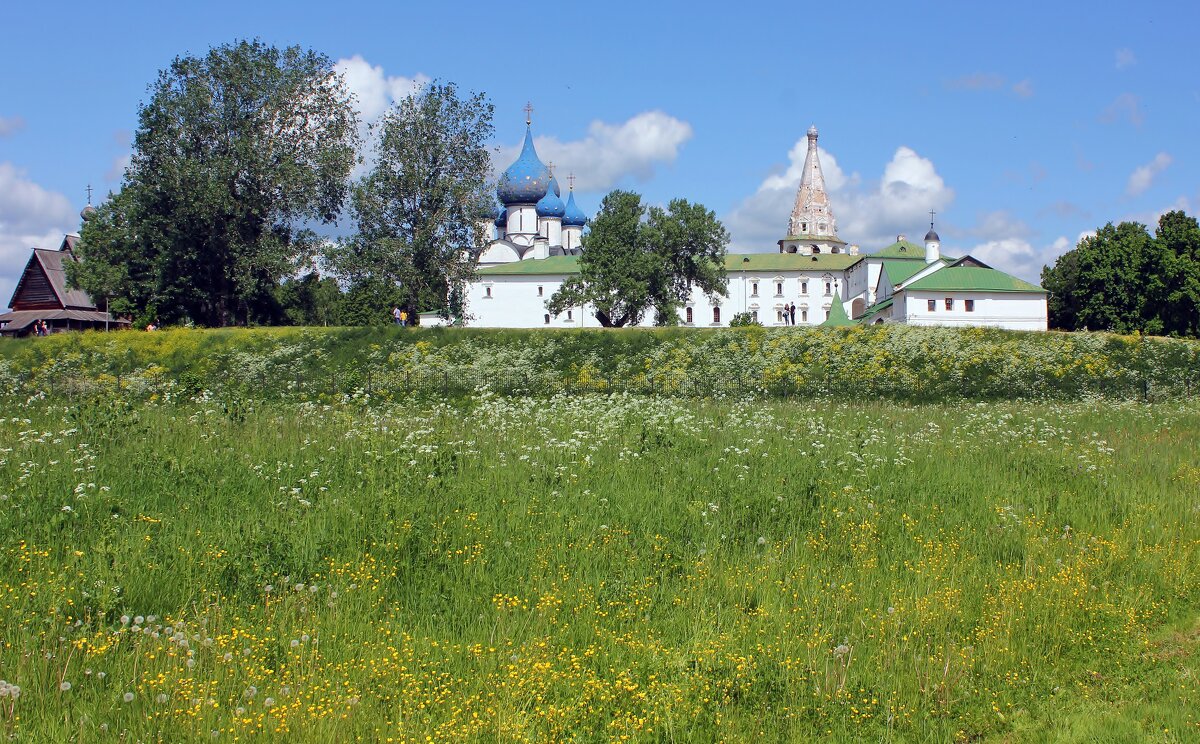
[538,240]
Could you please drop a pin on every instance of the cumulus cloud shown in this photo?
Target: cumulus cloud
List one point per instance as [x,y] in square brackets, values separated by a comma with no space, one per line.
[30,216]
[374,93]
[1143,176]
[373,89]
[868,213]
[610,153]
[1125,58]
[999,225]
[1019,257]
[10,125]
[1125,106]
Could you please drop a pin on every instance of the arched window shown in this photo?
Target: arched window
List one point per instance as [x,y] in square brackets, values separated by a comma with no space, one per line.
[716,315]
[547,318]
[688,315]
[816,249]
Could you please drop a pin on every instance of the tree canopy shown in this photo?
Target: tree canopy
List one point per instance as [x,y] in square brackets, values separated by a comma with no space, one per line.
[1123,279]
[635,259]
[236,153]
[418,210]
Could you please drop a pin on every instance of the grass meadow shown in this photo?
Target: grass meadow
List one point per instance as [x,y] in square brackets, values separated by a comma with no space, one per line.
[596,567]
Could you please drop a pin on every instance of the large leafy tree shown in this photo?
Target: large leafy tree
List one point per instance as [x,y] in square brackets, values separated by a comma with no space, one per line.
[418,208]
[635,259]
[237,153]
[1125,280]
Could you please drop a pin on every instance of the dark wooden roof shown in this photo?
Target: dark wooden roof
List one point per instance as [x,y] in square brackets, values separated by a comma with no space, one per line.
[43,284]
[18,320]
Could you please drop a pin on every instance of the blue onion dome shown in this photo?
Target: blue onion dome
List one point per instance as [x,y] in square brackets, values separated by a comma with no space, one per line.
[573,216]
[550,205]
[502,217]
[526,180]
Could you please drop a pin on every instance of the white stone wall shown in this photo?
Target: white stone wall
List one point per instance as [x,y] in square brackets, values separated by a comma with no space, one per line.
[1018,311]
[514,302]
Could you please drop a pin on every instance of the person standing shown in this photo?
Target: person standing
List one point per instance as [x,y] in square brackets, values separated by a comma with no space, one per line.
[396,315]
[403,318]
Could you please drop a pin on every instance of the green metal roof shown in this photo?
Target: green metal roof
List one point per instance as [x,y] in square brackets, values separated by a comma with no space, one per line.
[837,315]
[870,313]
[901,249]
[899,271]
[972,279]
[551,265]
[788,262]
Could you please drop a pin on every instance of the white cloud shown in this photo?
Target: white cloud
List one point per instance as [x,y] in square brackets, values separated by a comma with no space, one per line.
[116,171]
[999,225]
[610,152]
[30,216]
[870,214]
[1143,176]
[373,89]
[1019,257]
[1125,106]
[1125,58]
[10,125]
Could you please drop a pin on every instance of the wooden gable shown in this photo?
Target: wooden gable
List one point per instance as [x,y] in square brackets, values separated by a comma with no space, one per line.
[34,290]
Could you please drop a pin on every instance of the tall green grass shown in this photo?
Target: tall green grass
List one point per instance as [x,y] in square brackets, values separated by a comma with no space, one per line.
[897,363]
[598,567]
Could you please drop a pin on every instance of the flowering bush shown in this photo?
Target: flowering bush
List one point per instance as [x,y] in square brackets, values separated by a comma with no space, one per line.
[891,362]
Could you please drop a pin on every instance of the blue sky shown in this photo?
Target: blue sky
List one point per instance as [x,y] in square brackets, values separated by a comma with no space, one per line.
[1023,124]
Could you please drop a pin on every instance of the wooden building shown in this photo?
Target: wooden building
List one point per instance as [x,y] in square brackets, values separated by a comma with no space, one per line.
[42,294]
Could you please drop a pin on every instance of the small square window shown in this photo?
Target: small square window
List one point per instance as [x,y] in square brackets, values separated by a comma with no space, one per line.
[932,306]
[949,303]
[969,305]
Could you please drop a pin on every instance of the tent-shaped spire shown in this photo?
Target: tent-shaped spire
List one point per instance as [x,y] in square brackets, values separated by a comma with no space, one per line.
[837,316]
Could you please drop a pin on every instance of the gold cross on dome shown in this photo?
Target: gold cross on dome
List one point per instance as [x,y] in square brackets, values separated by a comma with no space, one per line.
[571,180]
[528,112]
[550,167]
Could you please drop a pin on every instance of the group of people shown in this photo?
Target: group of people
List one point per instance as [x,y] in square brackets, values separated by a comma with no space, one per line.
[401,316]
[40,328]
[789,314]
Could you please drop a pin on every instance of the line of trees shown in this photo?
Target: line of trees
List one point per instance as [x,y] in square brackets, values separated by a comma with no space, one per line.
[1124,279]
[243,154]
